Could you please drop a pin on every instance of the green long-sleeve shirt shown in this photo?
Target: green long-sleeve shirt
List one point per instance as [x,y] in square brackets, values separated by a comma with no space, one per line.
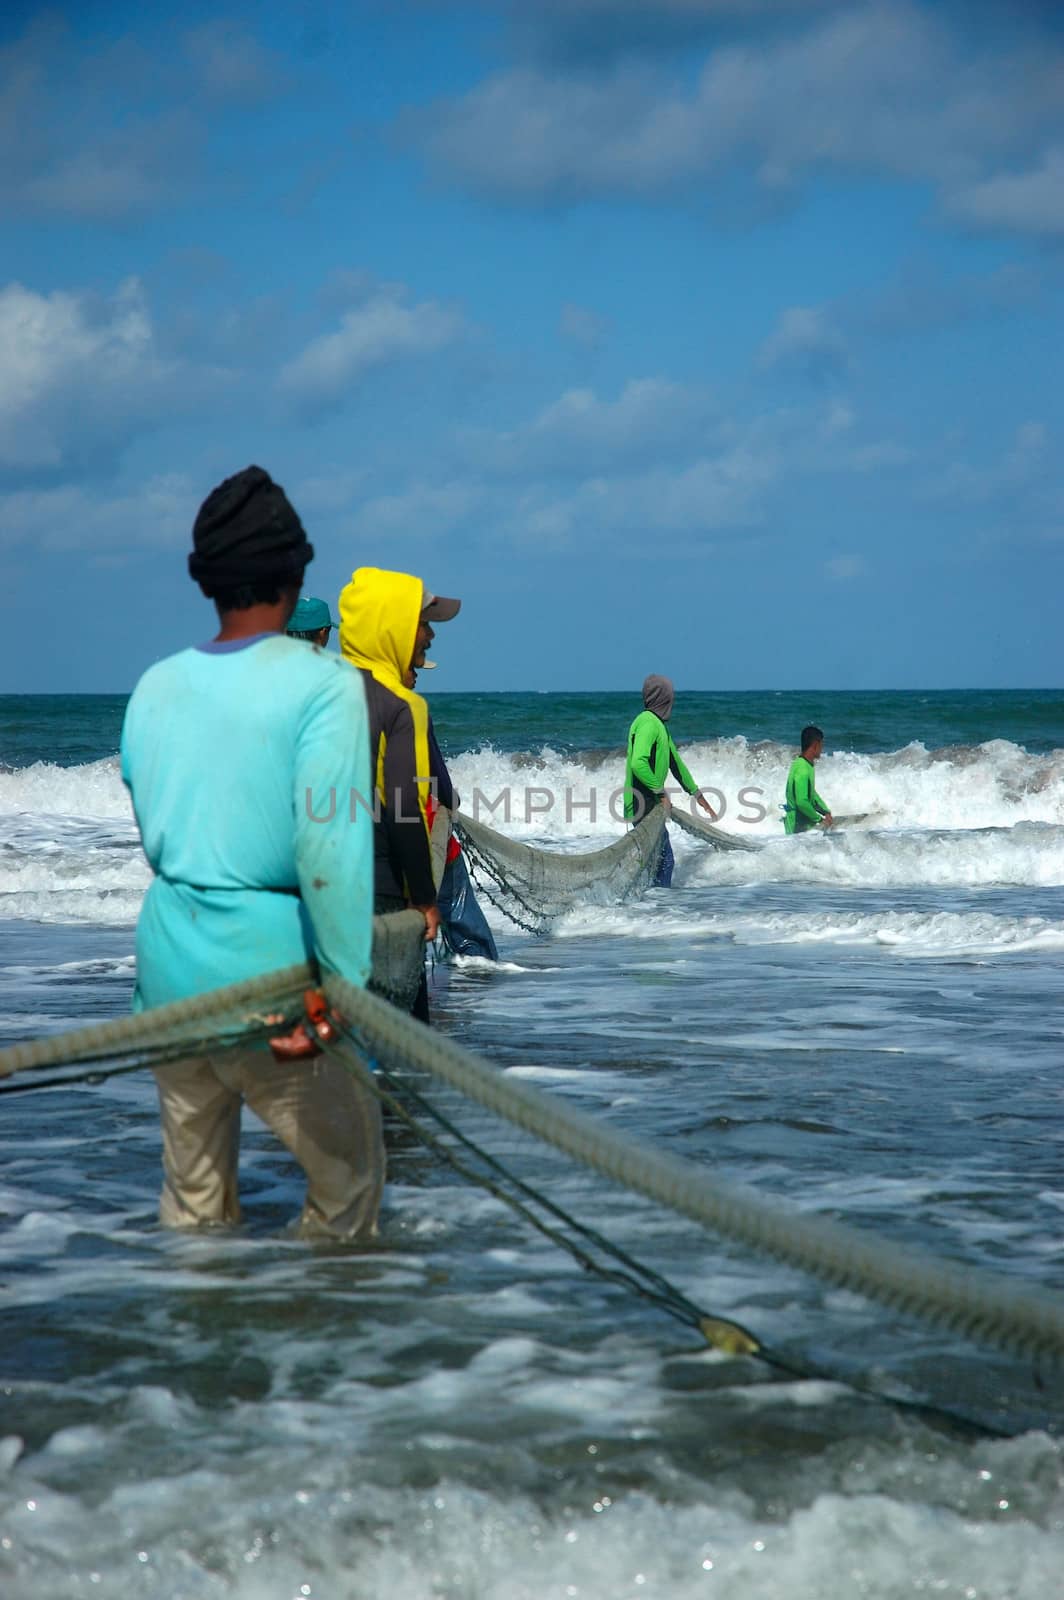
[651,757]
[804,806]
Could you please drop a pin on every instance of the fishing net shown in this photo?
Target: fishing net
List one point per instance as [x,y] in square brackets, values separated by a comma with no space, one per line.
[708,834]
[534,887]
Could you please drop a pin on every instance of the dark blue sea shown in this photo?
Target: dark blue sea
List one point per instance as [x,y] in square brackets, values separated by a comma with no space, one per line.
[865,1025]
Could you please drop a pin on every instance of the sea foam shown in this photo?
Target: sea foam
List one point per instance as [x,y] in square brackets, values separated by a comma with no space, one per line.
[965,816]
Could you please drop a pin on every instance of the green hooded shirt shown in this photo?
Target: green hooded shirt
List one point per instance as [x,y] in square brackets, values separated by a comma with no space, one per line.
[651,757]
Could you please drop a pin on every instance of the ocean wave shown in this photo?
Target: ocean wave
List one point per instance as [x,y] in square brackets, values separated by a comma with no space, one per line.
[549,794]
[106,908]
[54,869]
[920,933]
[94,789]
[964,816]
[1028,854]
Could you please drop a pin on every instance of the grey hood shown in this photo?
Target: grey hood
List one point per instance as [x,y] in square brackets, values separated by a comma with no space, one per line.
[658,695]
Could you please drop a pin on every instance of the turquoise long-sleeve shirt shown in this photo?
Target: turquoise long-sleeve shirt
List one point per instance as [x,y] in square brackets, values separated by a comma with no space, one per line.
[230,753]
[651,757]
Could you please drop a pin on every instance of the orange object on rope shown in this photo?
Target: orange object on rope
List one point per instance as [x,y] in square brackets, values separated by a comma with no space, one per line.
[303,1041]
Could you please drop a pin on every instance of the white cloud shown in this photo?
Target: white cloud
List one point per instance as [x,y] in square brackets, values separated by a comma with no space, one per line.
[424,510]
[1018,202]
[326,494]
[584,32]
[157,516]
[804,341]
[531,136]
[97,134]
[118,175]
[581,434]
[380,331]
[582,325]
[231,64]
[645,405]
[1031,439]
[879,456]
[109,129]
[880,88]
[1021,475]
[648,15]
[346,287]
[574,480]
[839,418]
[709,496]
[842,568]
[923,297]
[76,374]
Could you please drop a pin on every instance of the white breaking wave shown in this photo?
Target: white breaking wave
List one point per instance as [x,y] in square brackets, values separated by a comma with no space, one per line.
[110,908]
[331,1536]
[92,790]
[993,815]
[96,968]
[69,847]
[551,795]
[968,817]
[921,933]
[1030,854]
[62,869]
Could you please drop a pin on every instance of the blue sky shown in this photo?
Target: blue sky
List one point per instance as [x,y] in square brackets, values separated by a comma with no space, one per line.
[719,338]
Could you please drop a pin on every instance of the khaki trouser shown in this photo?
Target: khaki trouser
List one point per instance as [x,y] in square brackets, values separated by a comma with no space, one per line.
[329,1121]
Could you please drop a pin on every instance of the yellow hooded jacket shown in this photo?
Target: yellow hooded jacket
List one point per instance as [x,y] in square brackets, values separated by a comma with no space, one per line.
[379,614]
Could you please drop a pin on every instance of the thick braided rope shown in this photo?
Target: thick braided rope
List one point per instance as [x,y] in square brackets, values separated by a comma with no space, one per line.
[280,991]
[398,957]
[982,1305]
[398,960]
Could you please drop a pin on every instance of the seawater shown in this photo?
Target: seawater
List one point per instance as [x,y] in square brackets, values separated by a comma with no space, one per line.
[866,1025]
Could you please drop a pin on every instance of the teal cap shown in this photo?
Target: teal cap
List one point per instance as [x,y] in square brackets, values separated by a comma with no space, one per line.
[309,615]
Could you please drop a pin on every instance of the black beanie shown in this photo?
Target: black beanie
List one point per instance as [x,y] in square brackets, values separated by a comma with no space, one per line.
[247,532]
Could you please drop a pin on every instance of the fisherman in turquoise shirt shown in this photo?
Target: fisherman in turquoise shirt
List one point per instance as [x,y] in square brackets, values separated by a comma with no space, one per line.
[241,756]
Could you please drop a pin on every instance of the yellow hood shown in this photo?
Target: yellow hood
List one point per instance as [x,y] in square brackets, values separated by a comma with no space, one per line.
[379,613]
